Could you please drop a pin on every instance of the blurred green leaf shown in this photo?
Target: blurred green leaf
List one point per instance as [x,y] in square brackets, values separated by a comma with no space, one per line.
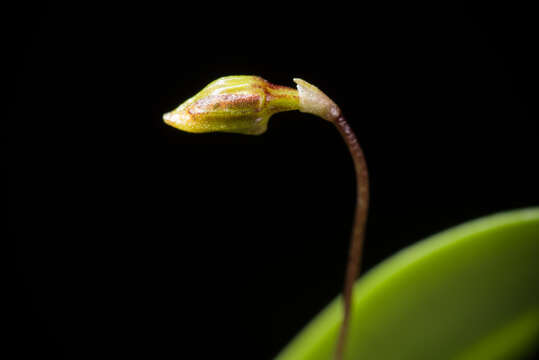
[471,292]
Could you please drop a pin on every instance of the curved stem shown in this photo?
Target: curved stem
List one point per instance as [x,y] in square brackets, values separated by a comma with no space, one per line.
[243,116]
[358,230]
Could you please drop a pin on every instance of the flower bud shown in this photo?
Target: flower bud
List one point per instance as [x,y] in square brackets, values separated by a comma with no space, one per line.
[235,104]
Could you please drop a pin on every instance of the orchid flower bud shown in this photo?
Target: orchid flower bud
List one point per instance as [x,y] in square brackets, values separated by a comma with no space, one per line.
[235,104]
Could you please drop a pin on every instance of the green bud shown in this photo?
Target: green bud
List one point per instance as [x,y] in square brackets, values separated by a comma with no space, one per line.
[235,104]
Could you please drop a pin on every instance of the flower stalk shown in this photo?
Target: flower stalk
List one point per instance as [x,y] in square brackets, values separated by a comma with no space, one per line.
[244,104]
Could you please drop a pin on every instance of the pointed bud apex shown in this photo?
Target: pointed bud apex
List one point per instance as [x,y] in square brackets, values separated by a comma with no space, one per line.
[236,104]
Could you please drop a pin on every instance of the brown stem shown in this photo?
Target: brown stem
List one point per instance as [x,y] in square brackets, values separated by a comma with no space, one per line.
[358,231]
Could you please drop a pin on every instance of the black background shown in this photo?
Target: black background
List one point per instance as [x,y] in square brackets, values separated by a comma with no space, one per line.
[135,240]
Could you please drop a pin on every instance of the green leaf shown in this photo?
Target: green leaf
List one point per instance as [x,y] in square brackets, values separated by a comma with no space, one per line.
[471,292]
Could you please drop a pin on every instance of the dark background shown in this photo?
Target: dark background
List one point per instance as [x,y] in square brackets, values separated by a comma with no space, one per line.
[135,240]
